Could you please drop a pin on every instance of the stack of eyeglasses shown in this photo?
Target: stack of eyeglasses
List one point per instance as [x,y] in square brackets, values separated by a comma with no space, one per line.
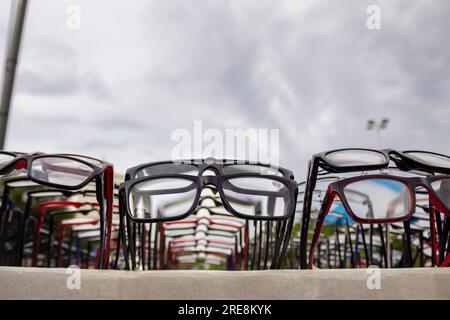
[209,212]
[38,195]
[369,207]
[388,208]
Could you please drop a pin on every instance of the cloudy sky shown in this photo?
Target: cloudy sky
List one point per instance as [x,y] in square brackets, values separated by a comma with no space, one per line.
[119,86]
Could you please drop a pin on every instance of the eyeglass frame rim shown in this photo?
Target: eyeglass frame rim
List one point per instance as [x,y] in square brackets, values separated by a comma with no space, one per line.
[336,189]
[29,161]
[126,186]
[215,163]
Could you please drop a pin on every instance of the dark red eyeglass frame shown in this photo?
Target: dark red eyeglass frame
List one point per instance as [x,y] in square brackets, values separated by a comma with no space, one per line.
[336,189]
[402,160]
[103,175]
[42,210]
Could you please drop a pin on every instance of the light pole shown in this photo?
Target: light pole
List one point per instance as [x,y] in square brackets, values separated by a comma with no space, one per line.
[17,17]
[377,126]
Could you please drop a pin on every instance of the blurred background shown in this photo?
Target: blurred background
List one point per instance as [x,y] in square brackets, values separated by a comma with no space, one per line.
[133,72]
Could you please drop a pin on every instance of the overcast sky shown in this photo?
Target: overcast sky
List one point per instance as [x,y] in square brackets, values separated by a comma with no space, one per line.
[135,71]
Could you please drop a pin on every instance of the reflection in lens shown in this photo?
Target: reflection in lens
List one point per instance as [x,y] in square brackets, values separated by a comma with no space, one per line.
[357,157]
[442,190]
[61,171]
[47,194]
[41,195]
[164,198]
[22,183]
[430,158]
[378,199]
[258,197]
[90,160]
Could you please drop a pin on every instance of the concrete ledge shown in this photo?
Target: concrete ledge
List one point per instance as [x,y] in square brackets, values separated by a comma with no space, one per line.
[39,283]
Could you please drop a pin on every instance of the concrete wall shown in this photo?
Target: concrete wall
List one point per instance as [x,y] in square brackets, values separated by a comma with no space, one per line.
[37,283]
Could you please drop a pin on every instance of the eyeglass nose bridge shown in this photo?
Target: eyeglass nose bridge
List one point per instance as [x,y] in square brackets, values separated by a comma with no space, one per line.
[209,180]
[421,184]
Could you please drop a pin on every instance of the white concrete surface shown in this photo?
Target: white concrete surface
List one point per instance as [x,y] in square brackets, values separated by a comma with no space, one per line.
[39,283]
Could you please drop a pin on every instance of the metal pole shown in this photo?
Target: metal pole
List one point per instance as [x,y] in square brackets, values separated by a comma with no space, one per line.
[12,52]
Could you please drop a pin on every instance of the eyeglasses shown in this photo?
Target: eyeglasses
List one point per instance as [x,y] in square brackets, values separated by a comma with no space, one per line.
[166,191]
[8,225]
[382,199]
[93,235]
[171,191]
[34,197]
[62,216]
[203,239]
[43,207]
[24,233]
[354,159]
[203,223]
[69,172]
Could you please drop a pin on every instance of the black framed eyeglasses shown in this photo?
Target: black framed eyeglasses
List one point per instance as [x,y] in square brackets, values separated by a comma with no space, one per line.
[69,172]
[172,190]
[167,191]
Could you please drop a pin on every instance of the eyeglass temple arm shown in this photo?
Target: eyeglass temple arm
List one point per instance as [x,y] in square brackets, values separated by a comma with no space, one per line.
[433,215]
[366,201]
[107,205]
[313,167]
[326,205]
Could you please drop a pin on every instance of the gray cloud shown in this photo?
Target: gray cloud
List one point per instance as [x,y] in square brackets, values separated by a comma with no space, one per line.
[118,87]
